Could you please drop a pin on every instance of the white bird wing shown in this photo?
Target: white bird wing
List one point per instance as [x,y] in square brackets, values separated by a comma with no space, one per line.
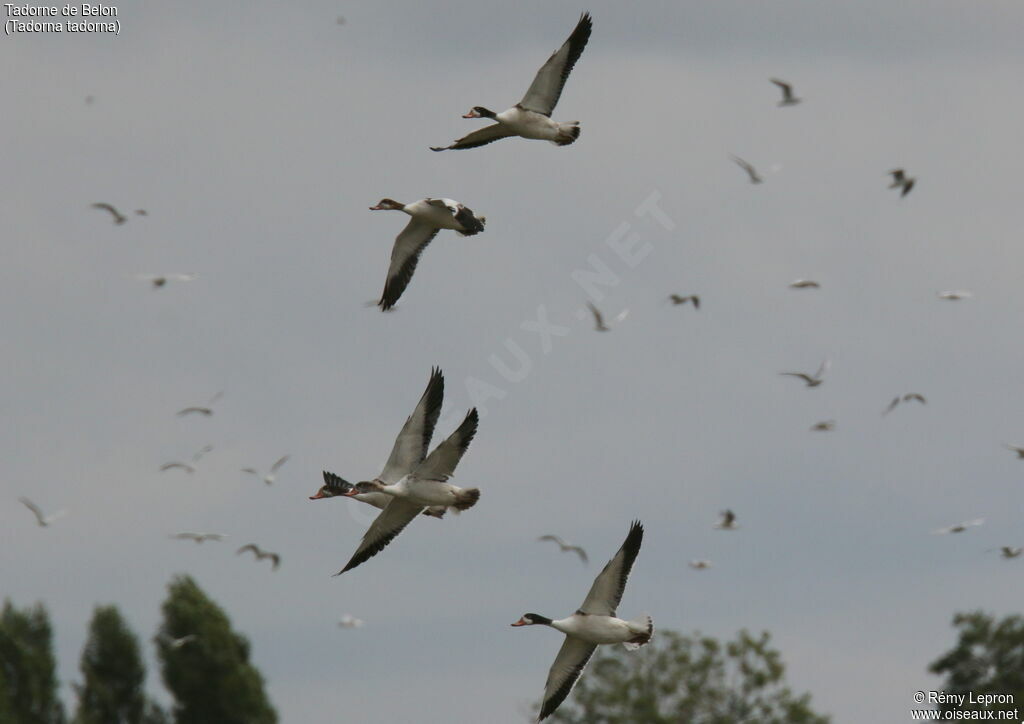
[606,592]
[442,461]
[414,439]
[281,461]
[544,92]
[572,658]
[479,137]
[391,521]
[405,254]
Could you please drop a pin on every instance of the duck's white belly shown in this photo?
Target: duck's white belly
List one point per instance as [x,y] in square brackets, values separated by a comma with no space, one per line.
[439,217]
[377,500]
[595,629]
[528,124]
[427,493]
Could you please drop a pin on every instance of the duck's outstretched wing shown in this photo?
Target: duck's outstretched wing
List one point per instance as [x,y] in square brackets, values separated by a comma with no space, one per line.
[405,254]
[413,441]
[441,463]
[480,137]
[544,92]
[605,594]
[572,658]
[391,521]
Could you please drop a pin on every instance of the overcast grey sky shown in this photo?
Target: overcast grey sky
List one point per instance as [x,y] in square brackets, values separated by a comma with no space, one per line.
[257,136]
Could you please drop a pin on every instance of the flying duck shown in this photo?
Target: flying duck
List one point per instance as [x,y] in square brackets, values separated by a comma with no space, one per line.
[412,480]
[428,217]
[531,117]
[594,623]
[409,449]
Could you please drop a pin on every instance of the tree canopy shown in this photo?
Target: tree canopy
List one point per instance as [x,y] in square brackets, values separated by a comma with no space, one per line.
[208,672]
[28,679]
[988,659]
[114,675]
[693,679]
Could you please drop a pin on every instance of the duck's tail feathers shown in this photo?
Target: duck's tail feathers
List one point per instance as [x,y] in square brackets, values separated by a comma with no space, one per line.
[466,499]
[645,626]
[567,133]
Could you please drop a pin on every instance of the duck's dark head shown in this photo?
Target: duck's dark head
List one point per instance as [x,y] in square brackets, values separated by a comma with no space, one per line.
[480,112]
[388,205]
[333,486]
[533,619]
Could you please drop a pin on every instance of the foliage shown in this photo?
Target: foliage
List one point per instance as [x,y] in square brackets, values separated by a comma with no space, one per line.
[210,676]
[987,659]
[693,679]
[111,664]
[28,680]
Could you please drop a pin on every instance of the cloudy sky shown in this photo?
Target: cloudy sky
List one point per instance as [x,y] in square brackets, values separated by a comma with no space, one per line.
[257,136]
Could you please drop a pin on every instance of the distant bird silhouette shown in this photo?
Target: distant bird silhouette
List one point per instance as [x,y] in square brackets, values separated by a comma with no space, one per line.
[751,171]
[955,294]
[599,324]
[700,565]
[270,477]
[959,527]
[908,397]
[206,409]
[788,99]
[727,520]
[1016,449]
[42,519]
[160,280]
[350,621]
[804,284]
[201,452]
[677,299]
[824,426]
[901,181]
[119,218]
[176,465]
[566,547]
[811,380]
[198,537]
[141,212]
[275,559]
[1010,552]
[179,642]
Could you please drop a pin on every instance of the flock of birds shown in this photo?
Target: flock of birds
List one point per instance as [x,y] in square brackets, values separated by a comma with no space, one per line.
[415,480]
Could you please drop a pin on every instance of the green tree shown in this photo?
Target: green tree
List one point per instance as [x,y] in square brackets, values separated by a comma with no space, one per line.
[205,664]
[28,679]
[111,664]
[988,659]
[693,679]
